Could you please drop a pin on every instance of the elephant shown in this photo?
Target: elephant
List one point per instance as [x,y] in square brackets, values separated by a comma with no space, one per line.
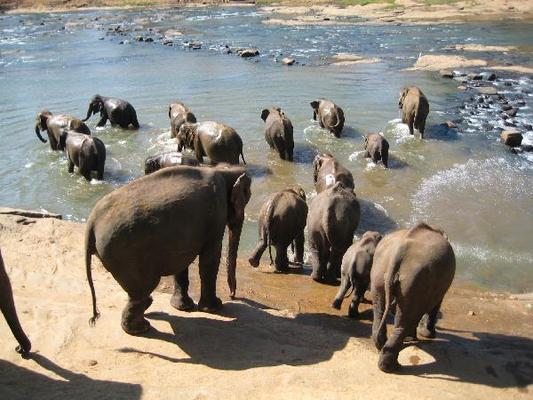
[7,305]
[415,109]
[377,148]
[279,132]
[136,233]
[119,112]
[55,124]
[330,116]
[332,220]
[178,114]
[412,270]
[88,153]
[217,141]
[164,160]
[327,171]
[281,223]
[355,271]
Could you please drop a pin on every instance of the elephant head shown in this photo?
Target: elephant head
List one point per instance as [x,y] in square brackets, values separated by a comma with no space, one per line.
[298,190]
[41,123]
[186,135]
[96,105]
[264,114]
[315,104]
[403,93]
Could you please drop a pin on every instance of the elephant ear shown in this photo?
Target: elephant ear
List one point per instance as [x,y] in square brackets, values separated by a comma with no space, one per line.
[301,193]
[314,105]
[366,142]
[403,93]
[240,195]
[169,110]
[317,163]
[264,114]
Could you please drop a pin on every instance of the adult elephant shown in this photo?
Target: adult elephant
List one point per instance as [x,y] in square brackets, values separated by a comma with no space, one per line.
[55,124]
[327,171]
[281,223]
[279,132]
[217,141]
[179,113]
[329,115]
[118,112]
[88,153]
[412,270]
[331,223]
[377,148]
[165,160]
[7,305]
[415,109]
[136,233]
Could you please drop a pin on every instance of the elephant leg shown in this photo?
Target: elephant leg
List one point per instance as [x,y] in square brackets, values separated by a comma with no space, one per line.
[319,260]
[411,125]
[139,299]
[85,168]
[103,121]
[299,247]
[70,165]
[134,121]
[426,328]
[343,289]
[208,265]
[333,270]
[255,257]
[421,128]
[281,261]
[388,358]
[379,336]
[180,298]
[359,293]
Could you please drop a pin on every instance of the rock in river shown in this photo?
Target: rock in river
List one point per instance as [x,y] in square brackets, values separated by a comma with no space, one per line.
[511,138]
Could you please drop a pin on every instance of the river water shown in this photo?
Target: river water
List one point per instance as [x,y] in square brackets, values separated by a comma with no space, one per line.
[461,180]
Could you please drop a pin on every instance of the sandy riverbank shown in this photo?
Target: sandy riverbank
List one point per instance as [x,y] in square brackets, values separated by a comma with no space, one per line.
[279,340]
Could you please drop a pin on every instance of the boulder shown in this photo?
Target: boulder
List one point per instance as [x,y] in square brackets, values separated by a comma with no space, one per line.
[248,53]
[488,90]
[462,88]
[511,138]
[449,124]
[488,76]
[446,73]
[149,40]
[288,61]
[474,76]
[511,112]
[139,38]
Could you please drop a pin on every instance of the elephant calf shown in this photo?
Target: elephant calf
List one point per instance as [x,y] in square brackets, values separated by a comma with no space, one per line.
[332,220]
[179,113]
[377,148]
[55,124]
[118,111]
[281,223]
[164,160]
[279,132]
[355,271]
[327,171]
[329,115]
[415,109]
[413,269]
[88,153]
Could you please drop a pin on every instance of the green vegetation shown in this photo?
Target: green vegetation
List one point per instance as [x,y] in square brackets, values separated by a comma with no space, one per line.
[344,3]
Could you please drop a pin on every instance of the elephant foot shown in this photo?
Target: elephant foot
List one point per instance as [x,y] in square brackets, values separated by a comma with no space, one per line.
[281,270]
[353,313]
[210,306]
[426,333]
[388,363]
[182,303]
[23,348]
[137,327]
[379,341]
[316,277]
[336,304]
[253,262]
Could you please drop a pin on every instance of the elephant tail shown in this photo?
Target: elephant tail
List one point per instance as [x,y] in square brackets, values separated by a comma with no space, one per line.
[89,251]
[242,156]
[268,225]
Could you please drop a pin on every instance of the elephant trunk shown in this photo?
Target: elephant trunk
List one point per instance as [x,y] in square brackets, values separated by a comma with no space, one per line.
[38,132]
[234,236]
[89,112]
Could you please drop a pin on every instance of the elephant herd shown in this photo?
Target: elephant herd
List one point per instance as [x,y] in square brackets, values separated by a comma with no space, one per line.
[158,224]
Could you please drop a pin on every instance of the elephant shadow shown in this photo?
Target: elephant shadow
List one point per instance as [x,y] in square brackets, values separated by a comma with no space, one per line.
[19,382]
[258,171]
[374,218]
[441,132]
[304,153]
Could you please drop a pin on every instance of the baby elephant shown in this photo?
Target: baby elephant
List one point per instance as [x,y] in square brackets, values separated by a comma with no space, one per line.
[85,152]
[329,115]
[164,160]
[412,270]
[117,111]
[377,148]
[54,124]
[179,113]
[355,271]
[281,223]
[278,132]
[328,171]
[415,109]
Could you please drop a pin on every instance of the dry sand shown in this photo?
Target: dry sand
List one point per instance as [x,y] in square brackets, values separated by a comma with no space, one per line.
[280,340]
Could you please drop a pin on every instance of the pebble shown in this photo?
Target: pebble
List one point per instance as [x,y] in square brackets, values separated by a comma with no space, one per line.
[92,363]
[471,313]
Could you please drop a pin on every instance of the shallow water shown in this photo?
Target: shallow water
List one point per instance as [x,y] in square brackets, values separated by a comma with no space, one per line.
[461,180]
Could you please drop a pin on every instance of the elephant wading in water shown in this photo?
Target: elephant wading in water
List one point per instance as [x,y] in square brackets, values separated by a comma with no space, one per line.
[329,115]
[7,305]
[118,112]
[279,132]
[412,270]
[179,113]
[377,148]
[164,160]
[355,271]
[137,234]
[55,124]
[415,109]
[282,223]
[217,141]
[88,153]
[333,218]
[327,171]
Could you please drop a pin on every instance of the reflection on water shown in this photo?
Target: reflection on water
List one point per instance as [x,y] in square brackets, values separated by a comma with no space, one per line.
[459,179]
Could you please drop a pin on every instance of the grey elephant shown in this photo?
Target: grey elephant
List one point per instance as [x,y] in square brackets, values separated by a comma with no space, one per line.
[281,223]
[355,271]
[179,113]
[331,223]
[217,141]
[377,148]
[7,305]
[88,153]
[169,159]
[412,270]
[279,132]
[329,115]
[55,124]
[134,232]
[415,109]
[117,111]
[327,171]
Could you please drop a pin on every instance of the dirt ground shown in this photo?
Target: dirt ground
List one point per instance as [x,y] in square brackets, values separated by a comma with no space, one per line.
[280,339]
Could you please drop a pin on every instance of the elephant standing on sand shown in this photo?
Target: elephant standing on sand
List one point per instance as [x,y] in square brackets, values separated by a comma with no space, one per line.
[415,109]
[355,271]
[327,171]
[279,132]
[55,124]
[377,148]
[169,159]
[118,112]
[7,305]
[412,270]
[331,223]
[329,115]
[136,232]
[179,113]
[88,153]
[282,223]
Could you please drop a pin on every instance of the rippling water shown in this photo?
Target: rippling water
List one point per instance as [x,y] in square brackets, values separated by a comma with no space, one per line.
[461,180]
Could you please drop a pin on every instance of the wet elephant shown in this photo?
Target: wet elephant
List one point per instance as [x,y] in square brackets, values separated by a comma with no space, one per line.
[88,153]
[329,115]
[377,148]
[55,124]
[279,132]
[415,109]
[169,159]
[179,113]
[117,111]
[327,171]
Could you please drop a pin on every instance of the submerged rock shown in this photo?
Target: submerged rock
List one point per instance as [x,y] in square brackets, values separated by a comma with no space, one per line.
[488,90]
[511,138]
[248,52]
[488,76]
[446,73]
[288,61]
